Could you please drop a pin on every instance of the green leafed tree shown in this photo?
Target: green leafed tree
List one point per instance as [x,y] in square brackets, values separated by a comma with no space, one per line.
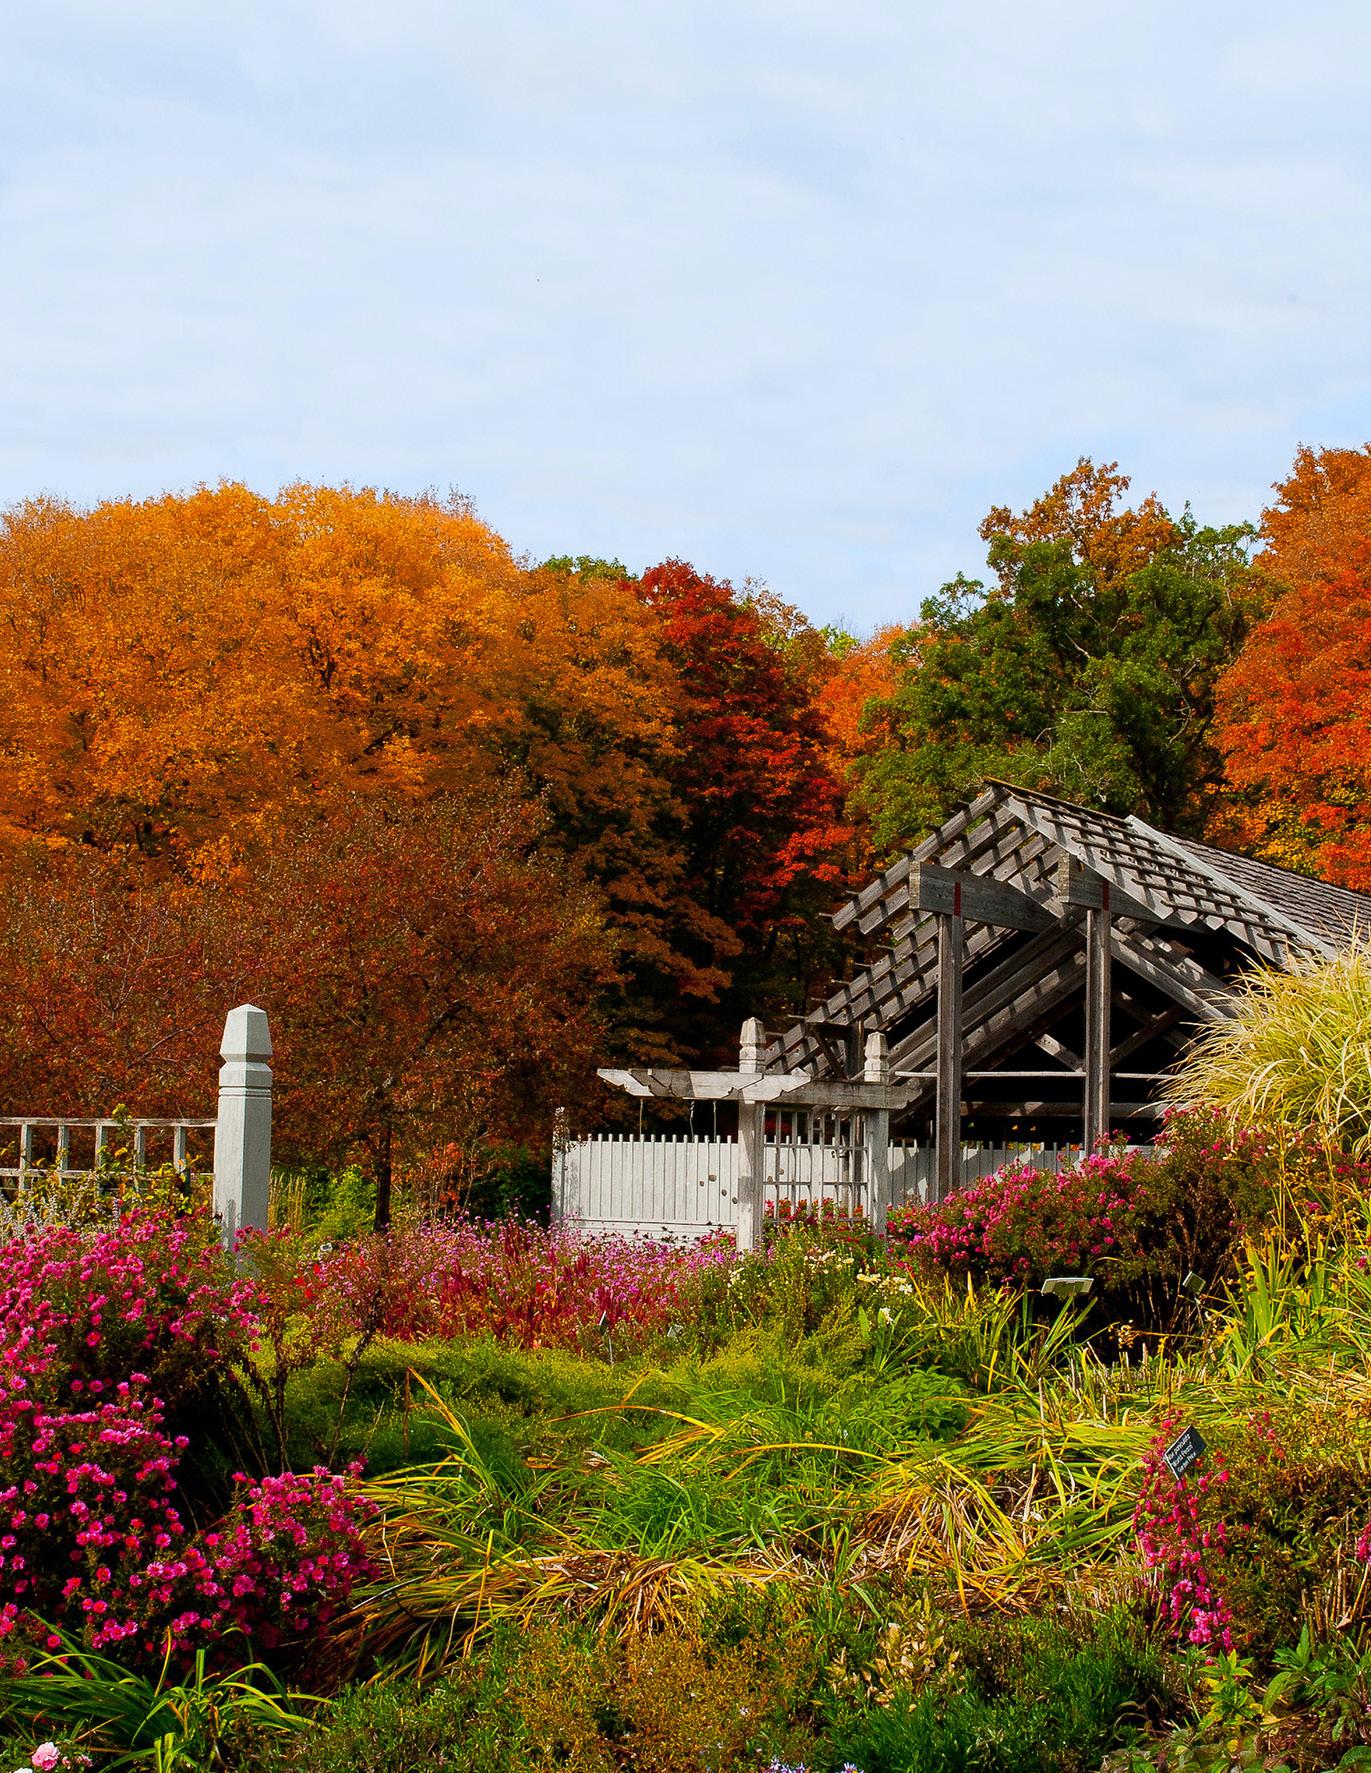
[1086,668]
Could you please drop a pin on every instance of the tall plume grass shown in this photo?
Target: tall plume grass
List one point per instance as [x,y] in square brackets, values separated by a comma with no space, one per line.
[1293,1055]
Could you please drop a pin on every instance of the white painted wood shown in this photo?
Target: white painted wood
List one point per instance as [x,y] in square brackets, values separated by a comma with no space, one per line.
[878,1168]
[242,1139]
[602,1180]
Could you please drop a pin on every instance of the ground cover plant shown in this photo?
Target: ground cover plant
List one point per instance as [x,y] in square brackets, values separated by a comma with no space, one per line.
[478,1495]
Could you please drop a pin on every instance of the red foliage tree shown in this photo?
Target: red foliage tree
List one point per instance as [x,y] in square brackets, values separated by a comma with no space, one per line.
[764,833]
[430,978]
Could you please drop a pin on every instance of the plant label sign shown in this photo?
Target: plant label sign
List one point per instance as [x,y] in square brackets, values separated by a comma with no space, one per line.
[1184,1451]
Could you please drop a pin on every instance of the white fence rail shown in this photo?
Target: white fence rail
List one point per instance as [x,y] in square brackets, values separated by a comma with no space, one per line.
[46,1145]
[678,1186]
[241,1134]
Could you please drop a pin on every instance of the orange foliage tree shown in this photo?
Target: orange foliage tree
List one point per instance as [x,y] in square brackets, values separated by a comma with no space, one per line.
[1295,708]
[189,683]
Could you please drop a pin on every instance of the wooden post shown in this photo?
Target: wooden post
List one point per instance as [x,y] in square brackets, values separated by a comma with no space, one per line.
[63,1148]
[25,1153]
[751,1143]
[947,1137]
[877,1135]
[180,1145]
[561,1139]
[242,1136]
[1097,993]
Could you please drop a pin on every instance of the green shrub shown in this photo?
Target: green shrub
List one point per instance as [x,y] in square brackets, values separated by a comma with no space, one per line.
[1004,1696]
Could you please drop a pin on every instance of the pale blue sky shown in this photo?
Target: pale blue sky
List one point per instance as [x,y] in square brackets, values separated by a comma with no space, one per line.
[794,291]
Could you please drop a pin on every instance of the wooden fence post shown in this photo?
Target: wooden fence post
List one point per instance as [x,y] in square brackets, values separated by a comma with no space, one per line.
[242,1135]
[876,1070]
[751,1144]
[1097,995]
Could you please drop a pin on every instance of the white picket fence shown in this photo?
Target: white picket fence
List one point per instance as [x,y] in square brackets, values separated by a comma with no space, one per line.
[679,1187]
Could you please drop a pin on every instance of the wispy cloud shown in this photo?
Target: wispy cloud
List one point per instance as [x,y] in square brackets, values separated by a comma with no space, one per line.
[791,290]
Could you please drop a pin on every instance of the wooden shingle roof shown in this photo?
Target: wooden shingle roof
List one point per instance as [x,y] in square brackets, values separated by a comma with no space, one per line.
[1191,902]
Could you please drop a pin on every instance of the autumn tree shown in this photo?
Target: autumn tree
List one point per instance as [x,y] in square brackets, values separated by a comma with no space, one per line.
[763,830]
[1086,668]
[1295,708]
[858,676]
[186,679]
[113,988]
[1318,529]
[433,976]
[174,666]
[431,979]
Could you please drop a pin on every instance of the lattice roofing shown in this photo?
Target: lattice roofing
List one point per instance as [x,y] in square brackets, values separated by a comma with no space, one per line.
[1022,838]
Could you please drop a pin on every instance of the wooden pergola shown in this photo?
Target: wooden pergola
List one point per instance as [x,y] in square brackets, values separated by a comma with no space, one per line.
[1034,970]
[1039,966]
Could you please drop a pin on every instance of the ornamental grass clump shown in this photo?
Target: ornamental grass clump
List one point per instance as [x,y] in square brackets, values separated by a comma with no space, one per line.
[1293,1053]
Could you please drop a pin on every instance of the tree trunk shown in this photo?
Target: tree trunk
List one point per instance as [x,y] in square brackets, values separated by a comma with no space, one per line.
[384,1171]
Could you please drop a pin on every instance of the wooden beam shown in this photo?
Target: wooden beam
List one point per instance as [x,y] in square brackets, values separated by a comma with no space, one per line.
[998,1030]
[1097,927]
[948,1115]
[1058,1049]
[833,1053]
[1140,1036]
[869,906]
[1022,972]
[979,897]
[1175,974]
[1063,1110]
[1079,885]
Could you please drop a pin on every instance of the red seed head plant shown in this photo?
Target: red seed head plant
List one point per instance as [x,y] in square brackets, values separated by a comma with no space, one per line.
[519,1282]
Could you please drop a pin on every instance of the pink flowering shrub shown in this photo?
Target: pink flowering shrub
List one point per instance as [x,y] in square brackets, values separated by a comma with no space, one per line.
[515,1281]
[1182,1539]
[149,1292]
[106,1334]
[1138,1221]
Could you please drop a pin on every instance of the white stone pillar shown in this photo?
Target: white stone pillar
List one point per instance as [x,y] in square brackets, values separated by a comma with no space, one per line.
[242,1136]
[751,1143]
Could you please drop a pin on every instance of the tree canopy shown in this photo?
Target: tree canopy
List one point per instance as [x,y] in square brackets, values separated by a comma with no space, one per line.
[1295,708]
[1087,667]
[470,825]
